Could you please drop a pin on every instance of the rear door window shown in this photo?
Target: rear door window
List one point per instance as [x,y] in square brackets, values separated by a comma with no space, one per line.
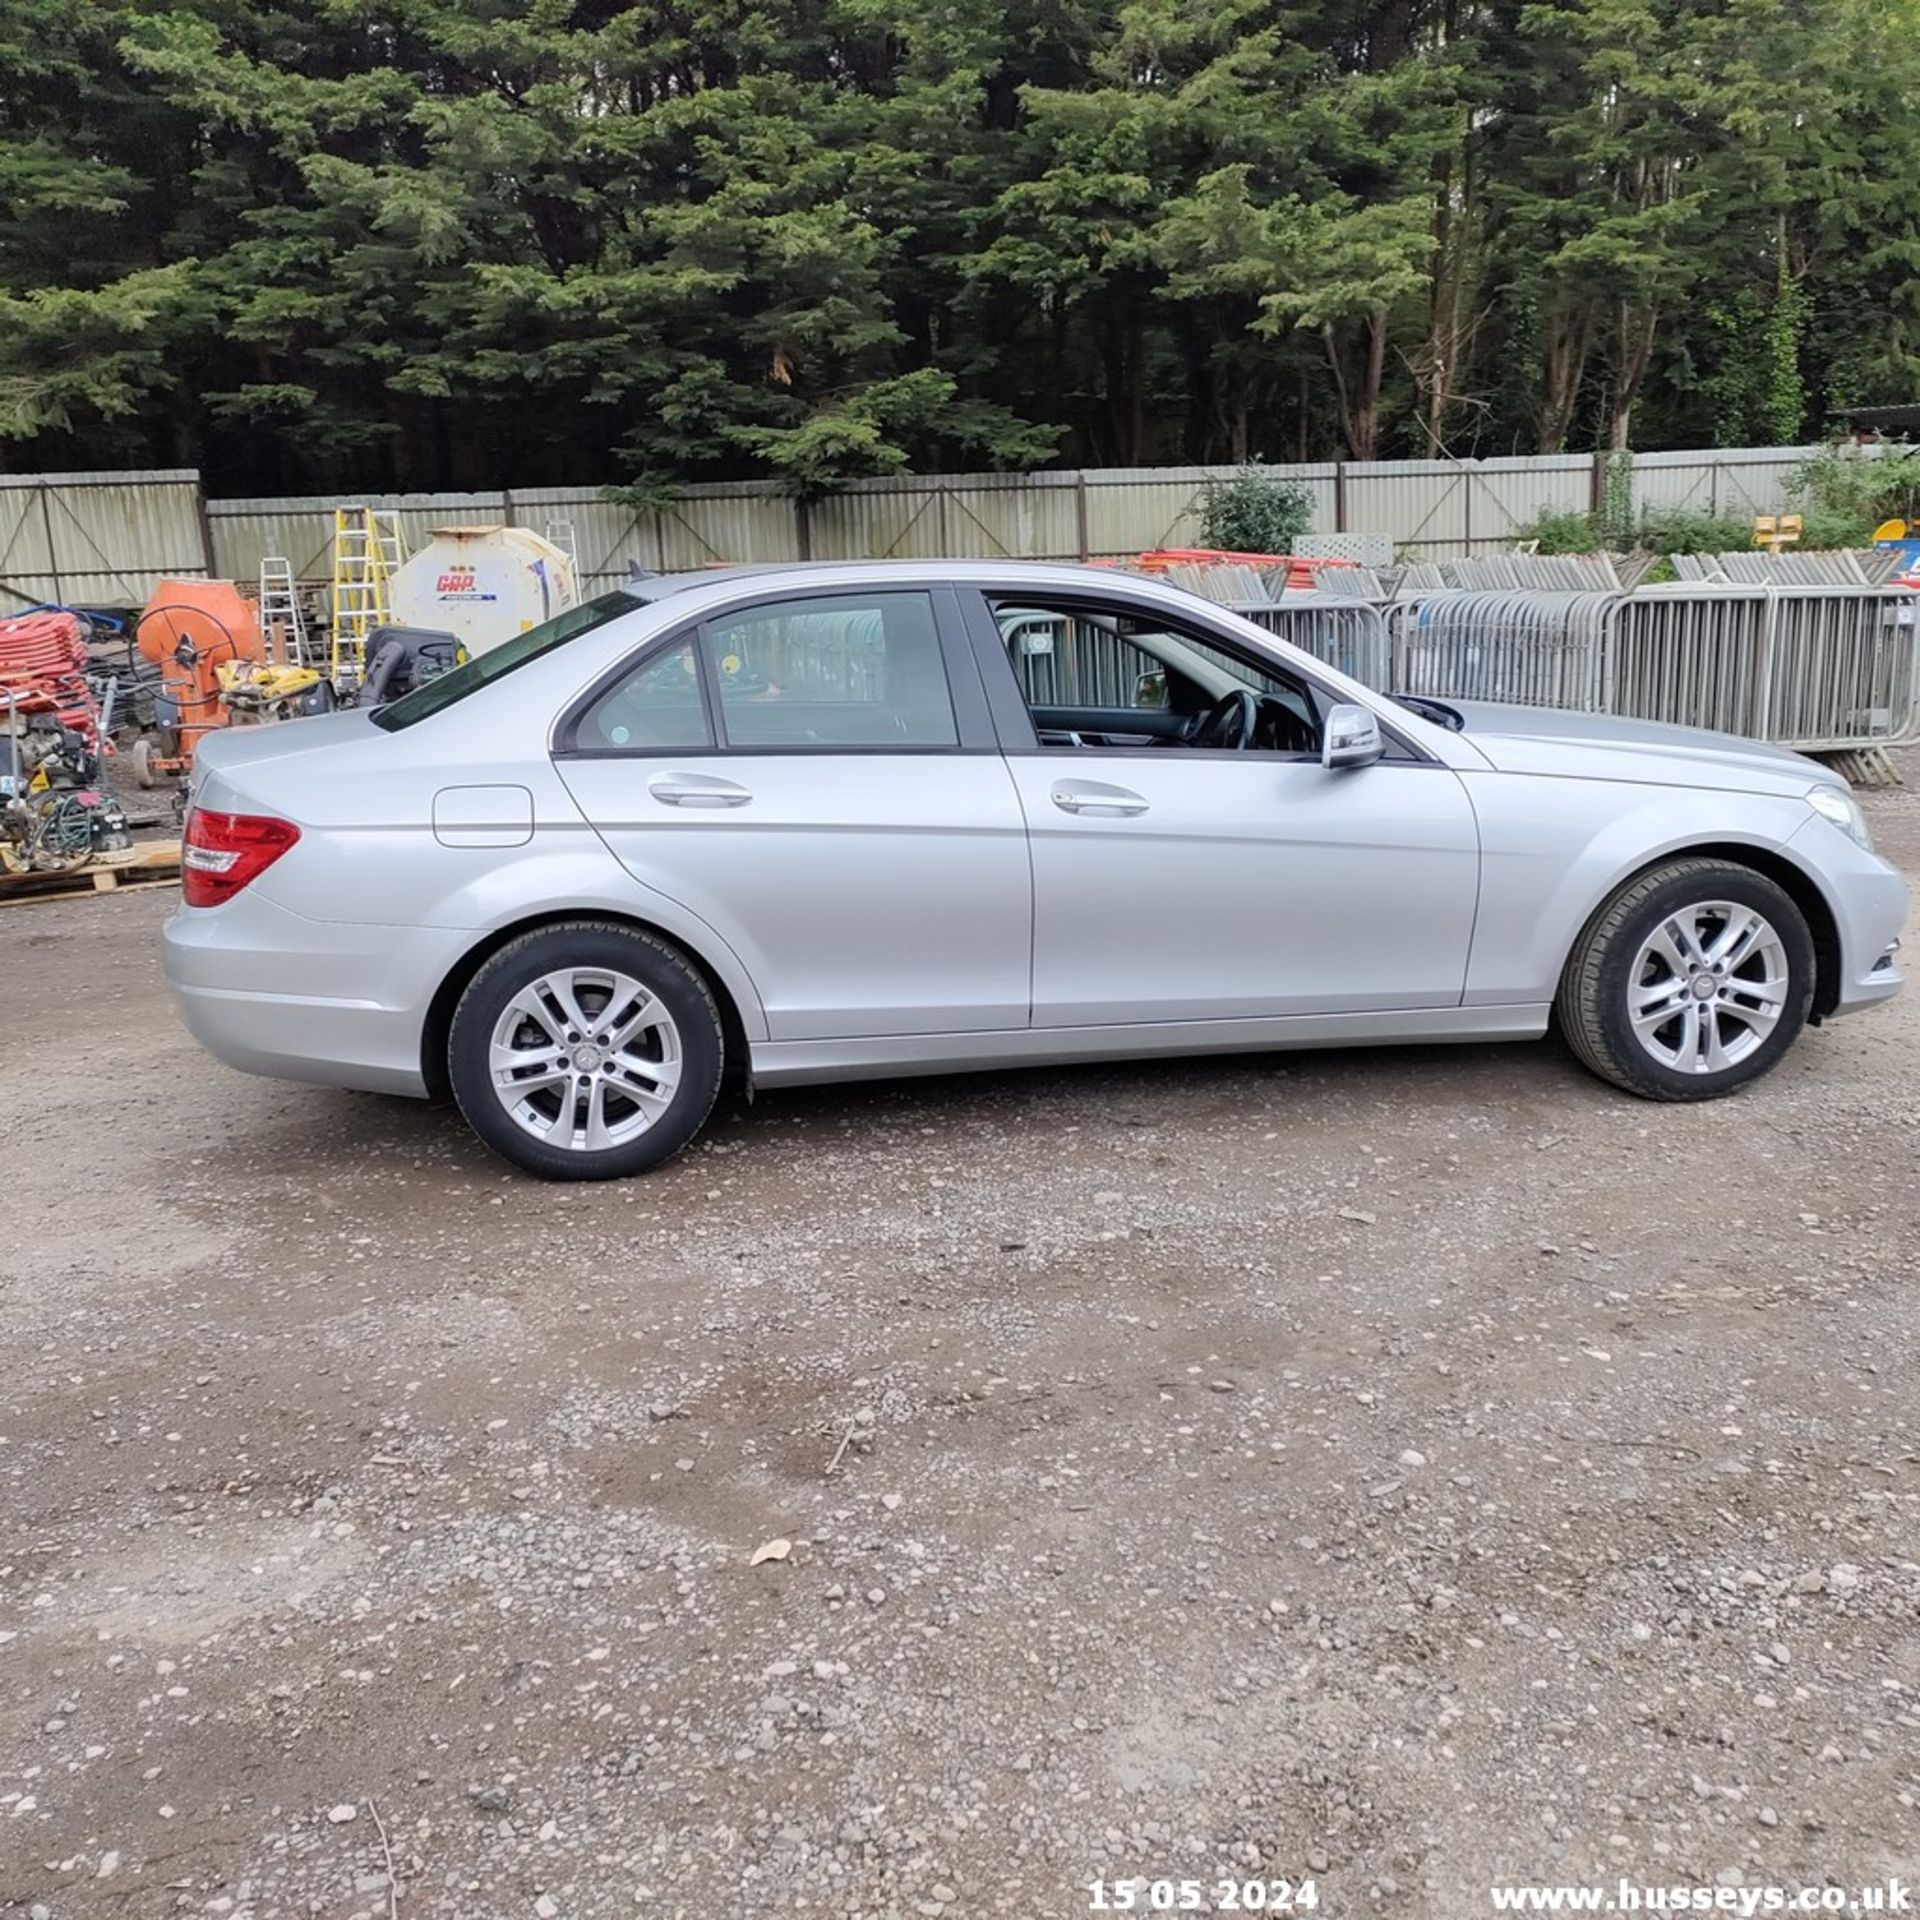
[855,671]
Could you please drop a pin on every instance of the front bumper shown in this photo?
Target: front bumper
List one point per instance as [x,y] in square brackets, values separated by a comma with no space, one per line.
[1869,901]
[270,991]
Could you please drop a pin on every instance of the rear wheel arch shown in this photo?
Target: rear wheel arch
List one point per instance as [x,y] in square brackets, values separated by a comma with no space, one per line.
[439,1021]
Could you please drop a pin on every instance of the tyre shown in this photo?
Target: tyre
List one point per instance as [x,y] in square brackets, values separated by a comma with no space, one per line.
[1692,980]
[142,757]
[586,1051]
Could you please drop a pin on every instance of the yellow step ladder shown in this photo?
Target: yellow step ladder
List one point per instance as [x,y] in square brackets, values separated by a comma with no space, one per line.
[367,552]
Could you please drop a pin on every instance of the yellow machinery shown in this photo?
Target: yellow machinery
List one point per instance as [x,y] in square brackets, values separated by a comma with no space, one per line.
[367,553]
[257,690]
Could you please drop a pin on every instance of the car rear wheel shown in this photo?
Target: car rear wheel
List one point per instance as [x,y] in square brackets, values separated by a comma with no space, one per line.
[585,1051]
[1692,980]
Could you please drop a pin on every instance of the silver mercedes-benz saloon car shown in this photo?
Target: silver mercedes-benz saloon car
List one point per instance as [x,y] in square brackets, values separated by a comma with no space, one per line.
[822,822]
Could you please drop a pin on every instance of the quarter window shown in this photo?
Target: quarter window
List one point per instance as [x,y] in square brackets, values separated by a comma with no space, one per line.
[657,706]
[856,671]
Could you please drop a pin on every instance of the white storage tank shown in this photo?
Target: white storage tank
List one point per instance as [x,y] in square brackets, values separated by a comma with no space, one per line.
[483,584]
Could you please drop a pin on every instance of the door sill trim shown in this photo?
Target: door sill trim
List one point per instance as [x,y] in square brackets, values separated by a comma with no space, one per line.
[875,1056]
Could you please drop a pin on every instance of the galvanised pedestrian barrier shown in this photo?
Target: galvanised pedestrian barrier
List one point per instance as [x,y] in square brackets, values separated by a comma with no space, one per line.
[1346,634]
[1551,572]
[1817,668]
[1066,661]
[1524,646]
[1841,567]
[1820,665]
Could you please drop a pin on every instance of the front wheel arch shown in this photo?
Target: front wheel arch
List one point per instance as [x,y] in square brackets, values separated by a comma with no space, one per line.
[438,1026]
[1793,880]
[1612,1016]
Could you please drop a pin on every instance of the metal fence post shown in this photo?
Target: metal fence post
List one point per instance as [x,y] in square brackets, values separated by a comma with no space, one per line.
[1763,667]
[206,526]
[46,533]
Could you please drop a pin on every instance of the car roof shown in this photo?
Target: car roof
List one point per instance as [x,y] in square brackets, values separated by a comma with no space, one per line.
[647,584]
[1054,575]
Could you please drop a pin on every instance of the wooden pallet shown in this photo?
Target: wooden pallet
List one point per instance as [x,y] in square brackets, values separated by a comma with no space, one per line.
[156,864]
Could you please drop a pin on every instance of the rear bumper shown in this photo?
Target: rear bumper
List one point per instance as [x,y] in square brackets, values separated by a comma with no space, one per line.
[341,1005]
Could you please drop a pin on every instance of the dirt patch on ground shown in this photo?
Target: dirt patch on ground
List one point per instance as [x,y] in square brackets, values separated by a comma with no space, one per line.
[1411,1469]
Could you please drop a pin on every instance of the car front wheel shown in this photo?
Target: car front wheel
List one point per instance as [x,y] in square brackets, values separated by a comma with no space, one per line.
[1692,980]
[585,1051]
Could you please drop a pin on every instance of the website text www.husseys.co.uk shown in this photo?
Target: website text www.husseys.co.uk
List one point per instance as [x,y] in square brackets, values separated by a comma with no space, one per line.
[1631,1896]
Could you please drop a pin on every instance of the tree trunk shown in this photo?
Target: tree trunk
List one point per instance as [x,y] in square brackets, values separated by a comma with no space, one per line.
[1449,332]
[1360,407]
[1366,437]
[1332,344]
[1136,397]
[1120,356]
[1635,334]
[1197,434]
[1569,340]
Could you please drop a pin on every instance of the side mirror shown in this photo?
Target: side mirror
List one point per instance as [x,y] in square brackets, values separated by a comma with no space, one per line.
[1150,690]
[1351,738]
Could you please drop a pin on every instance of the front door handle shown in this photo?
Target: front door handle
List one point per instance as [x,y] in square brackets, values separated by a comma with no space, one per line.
[697,790]
[1096,797]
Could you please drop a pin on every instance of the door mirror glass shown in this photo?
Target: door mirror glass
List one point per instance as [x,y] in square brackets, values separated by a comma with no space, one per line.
[1351,738]
[1150,690]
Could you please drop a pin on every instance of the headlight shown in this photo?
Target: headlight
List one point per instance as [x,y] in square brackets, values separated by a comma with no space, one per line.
[1839,806]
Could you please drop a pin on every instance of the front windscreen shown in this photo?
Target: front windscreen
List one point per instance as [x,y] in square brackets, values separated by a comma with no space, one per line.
[443,690]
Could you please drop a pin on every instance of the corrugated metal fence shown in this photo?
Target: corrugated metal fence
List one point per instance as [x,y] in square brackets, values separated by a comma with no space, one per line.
[98,539]
[103,539]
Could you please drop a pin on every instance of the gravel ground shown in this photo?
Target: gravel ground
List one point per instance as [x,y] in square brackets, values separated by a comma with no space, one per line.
[1409,1470]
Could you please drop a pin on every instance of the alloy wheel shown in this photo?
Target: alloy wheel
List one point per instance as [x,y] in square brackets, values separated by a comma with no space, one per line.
[1708,987]
[585,1058]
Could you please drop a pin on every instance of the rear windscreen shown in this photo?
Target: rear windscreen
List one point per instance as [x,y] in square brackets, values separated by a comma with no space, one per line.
[445,689]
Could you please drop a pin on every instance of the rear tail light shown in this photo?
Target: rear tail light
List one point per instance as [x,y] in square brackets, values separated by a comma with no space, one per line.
[224,852]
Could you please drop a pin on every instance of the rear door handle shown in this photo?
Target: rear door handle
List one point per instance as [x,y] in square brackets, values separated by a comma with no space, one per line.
[697,790]
[1096,797]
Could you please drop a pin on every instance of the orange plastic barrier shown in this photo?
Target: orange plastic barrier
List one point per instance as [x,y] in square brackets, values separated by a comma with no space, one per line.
[1300,572]
[43,663]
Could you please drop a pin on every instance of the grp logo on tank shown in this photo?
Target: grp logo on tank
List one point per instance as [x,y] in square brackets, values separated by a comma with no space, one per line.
[460,583]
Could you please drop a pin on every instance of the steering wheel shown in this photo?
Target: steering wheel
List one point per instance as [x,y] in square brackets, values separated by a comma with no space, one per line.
[1229,722]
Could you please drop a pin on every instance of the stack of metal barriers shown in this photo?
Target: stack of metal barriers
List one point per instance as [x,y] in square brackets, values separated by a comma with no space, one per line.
[1821,657]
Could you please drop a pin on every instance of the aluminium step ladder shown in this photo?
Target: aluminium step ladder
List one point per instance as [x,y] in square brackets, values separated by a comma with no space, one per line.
[281,624]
